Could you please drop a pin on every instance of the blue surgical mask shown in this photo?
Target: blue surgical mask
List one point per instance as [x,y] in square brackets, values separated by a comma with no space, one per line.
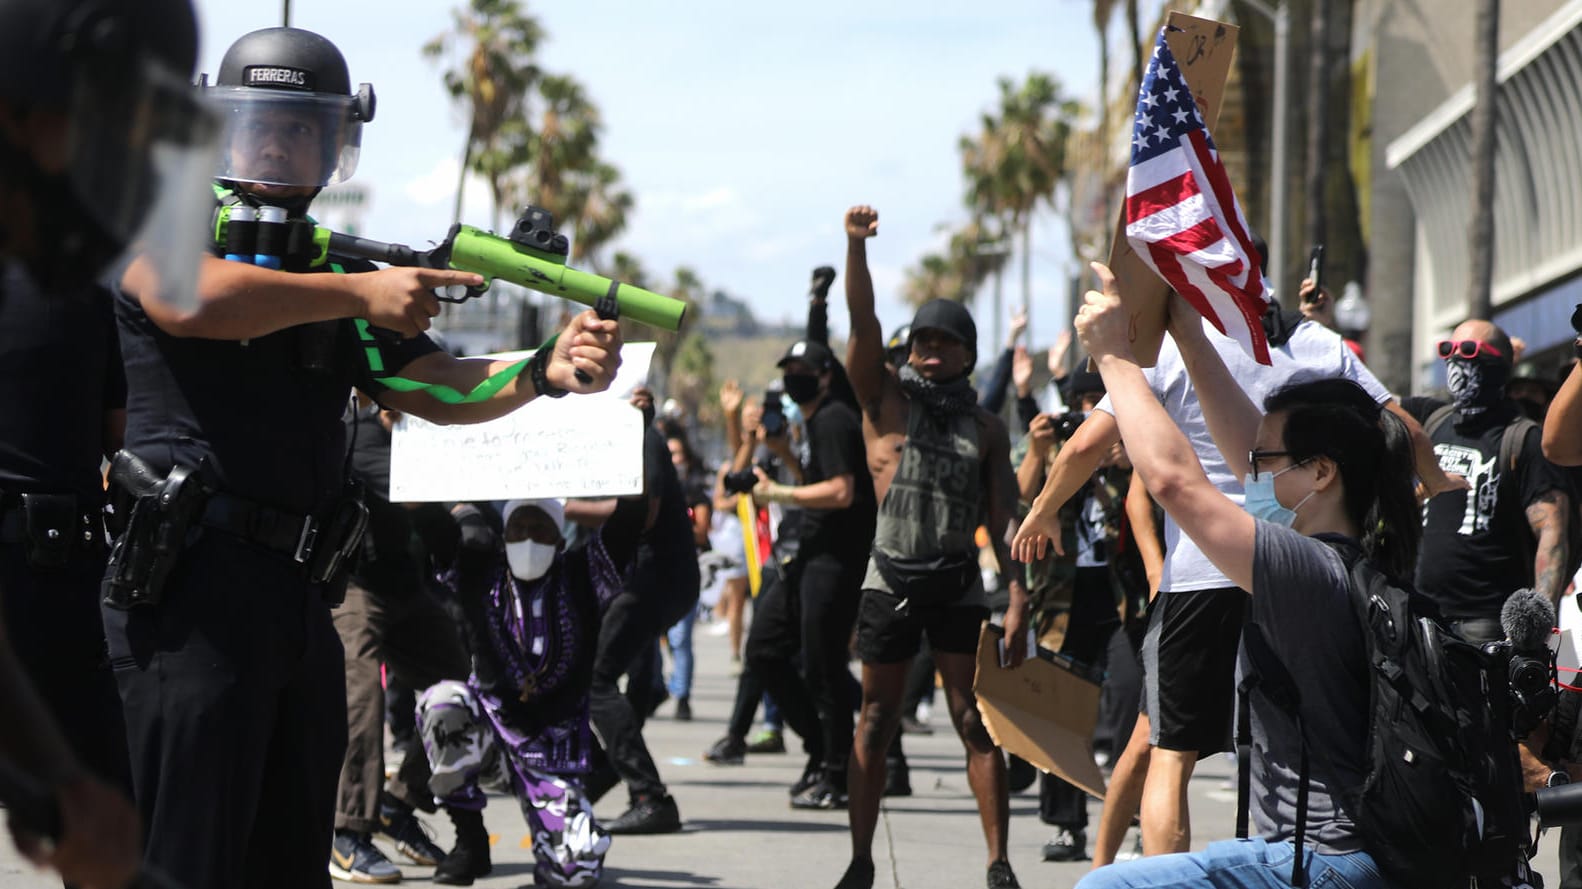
[1261,503]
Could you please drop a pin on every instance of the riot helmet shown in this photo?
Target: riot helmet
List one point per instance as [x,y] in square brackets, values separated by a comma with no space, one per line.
[103,136]
[290,116]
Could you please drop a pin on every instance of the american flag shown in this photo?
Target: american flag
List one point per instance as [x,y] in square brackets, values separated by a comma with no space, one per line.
[1182,217]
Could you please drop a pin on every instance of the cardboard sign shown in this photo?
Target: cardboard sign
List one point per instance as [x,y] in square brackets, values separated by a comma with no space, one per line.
[577,446]
[1203,48]
[1043,711]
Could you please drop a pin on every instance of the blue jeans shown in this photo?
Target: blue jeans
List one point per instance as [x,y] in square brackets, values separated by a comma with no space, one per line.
[680,637]
[1239,864]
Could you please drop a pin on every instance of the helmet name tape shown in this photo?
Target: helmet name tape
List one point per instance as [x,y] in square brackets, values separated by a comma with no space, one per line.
[259,75]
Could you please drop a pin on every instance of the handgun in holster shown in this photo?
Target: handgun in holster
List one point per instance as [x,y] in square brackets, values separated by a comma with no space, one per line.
[338,539]
[158,514]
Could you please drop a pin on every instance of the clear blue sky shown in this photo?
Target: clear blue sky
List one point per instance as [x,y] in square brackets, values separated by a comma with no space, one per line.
[744,129]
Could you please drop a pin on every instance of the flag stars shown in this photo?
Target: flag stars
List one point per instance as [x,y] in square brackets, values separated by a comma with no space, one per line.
[1180,115]
[1171,94]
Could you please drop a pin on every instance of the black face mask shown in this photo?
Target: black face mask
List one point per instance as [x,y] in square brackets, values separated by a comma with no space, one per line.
[1476,384]
[71,249]
[802,388]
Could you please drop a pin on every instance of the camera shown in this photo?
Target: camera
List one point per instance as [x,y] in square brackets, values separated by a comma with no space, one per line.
[1066,424]
[739,482]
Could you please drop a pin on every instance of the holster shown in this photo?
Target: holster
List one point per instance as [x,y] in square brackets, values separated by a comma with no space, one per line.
[338,538]
[158,514]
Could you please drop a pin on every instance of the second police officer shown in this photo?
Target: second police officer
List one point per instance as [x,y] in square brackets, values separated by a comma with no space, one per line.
[233,489]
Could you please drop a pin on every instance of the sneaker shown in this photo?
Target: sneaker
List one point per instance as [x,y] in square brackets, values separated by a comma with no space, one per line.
[399,825]
[1001,877]
[823,795]
[355,859]
[910,726]
[683,709]
[897,779]
[1135,852]
[812,774]
[859,875]
[1066,845]
[727,751]
[648,815]
[767,741]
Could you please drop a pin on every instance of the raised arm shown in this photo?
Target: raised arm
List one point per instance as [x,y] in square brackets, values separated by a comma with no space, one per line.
[865,348]
[1563,424]
[818,307]
[1231,416]
[731,398]
[1157,448]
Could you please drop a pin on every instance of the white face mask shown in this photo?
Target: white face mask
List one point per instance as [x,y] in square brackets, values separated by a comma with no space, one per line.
[530,560]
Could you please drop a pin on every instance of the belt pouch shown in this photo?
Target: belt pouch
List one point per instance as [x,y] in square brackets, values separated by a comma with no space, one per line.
[51,523]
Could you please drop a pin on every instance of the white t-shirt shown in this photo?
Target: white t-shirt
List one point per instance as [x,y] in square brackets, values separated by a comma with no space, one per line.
[1313,352]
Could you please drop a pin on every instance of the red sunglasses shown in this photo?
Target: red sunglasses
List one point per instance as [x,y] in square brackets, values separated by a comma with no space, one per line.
[1466,349]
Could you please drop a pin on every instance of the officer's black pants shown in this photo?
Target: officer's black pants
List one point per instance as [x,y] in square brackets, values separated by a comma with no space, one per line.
[629,625]
[417,641]
[235,702]
[52,620]
[1093,620]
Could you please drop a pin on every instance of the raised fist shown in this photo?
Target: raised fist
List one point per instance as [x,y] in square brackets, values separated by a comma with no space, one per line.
[862,221]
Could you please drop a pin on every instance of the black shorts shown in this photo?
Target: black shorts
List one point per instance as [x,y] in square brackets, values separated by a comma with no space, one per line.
[888,635]
[1189,669]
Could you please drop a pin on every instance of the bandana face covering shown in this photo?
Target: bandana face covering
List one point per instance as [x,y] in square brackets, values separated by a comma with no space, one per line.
[1475,385]
[954,397]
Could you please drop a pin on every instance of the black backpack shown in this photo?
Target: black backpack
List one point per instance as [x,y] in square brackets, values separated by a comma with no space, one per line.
[1438,739]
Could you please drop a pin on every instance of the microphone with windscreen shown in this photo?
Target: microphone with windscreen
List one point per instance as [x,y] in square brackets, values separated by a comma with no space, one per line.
[1528,619]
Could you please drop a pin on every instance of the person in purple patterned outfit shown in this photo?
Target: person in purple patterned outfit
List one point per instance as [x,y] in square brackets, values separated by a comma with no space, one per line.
[531,607]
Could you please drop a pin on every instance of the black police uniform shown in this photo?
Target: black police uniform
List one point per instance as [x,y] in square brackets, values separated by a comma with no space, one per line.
[233,684]
[60,378]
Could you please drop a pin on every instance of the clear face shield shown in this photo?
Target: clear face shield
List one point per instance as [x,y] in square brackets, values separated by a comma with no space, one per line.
[287,138]
[139,147]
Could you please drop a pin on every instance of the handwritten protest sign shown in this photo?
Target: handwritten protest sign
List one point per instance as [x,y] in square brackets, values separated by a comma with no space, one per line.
[577,446]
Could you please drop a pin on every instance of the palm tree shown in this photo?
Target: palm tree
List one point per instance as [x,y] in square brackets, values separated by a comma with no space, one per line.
[1480,231]
[1018,160]
[597,206]
[1103,11]
[563,143]
[492,46]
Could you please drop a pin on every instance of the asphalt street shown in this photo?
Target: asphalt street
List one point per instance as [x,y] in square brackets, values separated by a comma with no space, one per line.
[740,832]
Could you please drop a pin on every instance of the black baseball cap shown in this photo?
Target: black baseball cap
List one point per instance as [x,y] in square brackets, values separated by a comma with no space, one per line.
[814,354]
[948,317]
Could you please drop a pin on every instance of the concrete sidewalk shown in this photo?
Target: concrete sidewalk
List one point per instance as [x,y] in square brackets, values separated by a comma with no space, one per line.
[741,833]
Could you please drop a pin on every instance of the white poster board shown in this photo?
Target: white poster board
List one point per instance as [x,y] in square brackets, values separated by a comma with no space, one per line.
[577,446]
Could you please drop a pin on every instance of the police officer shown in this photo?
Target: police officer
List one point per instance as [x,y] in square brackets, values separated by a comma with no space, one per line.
[219,590]
[87,88]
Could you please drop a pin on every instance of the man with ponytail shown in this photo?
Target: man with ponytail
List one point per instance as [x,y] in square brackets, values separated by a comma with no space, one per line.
[1326,461]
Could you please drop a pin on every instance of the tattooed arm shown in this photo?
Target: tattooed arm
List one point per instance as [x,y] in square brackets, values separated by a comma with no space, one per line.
[1548,515]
